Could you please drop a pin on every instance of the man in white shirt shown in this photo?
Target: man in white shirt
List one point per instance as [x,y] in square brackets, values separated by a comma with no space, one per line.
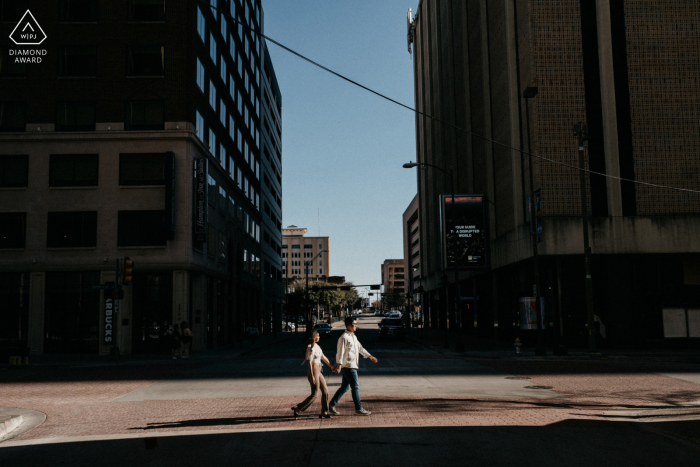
[347,359]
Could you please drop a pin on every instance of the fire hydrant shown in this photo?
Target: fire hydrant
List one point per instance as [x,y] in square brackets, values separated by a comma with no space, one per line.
[518,346]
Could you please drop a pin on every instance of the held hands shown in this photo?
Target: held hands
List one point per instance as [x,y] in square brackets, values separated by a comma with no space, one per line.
[336,369]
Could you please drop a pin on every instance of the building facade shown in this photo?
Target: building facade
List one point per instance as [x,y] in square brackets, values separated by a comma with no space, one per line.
[517,76]
[393,282]
[137,135]
[297,249]
[411,250]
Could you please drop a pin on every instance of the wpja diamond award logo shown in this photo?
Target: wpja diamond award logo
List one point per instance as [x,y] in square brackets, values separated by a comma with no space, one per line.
[28,32]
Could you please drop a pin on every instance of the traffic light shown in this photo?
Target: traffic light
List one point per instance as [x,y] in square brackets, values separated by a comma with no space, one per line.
[128,271]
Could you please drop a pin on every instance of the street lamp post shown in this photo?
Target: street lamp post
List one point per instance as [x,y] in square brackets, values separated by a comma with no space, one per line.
[581,131]
[540,349]
[459,345]
[307,264]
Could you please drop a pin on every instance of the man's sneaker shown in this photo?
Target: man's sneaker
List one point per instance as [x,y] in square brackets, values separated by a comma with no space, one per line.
[333,410]
[362,412]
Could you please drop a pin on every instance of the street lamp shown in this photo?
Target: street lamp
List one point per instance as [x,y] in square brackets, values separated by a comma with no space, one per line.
[423,165]
[540,350]
[306,272]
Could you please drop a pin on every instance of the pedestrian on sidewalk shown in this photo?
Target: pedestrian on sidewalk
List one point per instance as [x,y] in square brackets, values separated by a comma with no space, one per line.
[175,341]
[187,335]
[252,333]
[347,359]
[314,358]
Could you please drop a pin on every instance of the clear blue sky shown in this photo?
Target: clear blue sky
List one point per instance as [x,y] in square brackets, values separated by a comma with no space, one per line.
[343,147]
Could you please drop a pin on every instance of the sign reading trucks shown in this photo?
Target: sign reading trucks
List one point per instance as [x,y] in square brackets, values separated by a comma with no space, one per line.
[109,315]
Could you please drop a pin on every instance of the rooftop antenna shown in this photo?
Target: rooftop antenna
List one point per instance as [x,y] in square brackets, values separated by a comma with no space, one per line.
[409,28]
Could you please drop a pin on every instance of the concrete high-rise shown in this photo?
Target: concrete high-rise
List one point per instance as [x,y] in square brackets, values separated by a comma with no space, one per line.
[518,75]
[141,133]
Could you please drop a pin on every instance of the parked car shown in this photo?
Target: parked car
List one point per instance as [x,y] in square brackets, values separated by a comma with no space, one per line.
[392,327]
[394,314]
[324,329]
[378,313]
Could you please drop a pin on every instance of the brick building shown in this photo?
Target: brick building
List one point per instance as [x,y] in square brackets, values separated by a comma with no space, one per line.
[138,135]
[630,70]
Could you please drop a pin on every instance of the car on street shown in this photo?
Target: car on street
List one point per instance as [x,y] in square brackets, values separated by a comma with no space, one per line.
[394,314]
[324,329]
[378,313]
[392,328]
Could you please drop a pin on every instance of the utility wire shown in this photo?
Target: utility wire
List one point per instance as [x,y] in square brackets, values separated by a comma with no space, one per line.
[464,130]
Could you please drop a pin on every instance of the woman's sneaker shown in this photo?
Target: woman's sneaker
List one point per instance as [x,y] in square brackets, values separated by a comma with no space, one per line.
[333,411]
[362,412]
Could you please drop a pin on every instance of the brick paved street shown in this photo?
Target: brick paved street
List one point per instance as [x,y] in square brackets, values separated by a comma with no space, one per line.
[411,386]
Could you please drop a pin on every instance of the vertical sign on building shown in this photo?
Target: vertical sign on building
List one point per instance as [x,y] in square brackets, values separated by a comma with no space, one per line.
[170,195]
[463,231]
[200,202]
[109,316]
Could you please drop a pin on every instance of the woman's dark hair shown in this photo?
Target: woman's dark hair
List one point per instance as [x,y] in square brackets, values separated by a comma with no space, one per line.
[308,342]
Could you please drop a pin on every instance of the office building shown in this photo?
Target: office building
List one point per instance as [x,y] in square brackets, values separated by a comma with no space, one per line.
[411,250]
[393,282]
[137,135]
[517,76]
[297,249]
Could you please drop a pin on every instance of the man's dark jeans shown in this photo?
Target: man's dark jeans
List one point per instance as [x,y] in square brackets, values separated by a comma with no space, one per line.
[349,382]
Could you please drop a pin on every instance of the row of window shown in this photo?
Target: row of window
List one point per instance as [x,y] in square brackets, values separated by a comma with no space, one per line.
[298,263]
[81,170]
[86,11]
[80,116]
[297,272]
[296,255]
[80,61]
[79,229]
[297,247]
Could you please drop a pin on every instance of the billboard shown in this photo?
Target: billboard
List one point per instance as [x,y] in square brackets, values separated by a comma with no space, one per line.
[463,231]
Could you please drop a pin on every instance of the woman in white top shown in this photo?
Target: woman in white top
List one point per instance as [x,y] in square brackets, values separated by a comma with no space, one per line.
[313,355]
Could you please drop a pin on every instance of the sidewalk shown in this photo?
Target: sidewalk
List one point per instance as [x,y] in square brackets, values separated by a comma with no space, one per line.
[81,360]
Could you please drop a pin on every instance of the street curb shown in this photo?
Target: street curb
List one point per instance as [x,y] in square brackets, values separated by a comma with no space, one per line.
[10,424]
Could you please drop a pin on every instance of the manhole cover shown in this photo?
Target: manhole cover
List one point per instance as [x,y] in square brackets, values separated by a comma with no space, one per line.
[538,387]
[517,377]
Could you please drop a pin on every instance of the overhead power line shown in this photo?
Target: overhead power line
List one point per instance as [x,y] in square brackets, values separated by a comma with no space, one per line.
[435,119]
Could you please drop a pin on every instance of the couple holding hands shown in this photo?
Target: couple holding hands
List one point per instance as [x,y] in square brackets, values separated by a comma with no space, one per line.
[347,358]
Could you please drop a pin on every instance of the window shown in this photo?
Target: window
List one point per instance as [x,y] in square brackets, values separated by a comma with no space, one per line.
[13,229]
[247,12]
[246,82]
[222,112]
[14,171]
[239,177]
[145,60]
[73,169]
[232,8]
[75,116]
[76,11]
[296,247]
[147,10]
[141,169]
[214,6]
[239,141]
[8,67]
[199,125]
[320,245]
[200,75]
[141,228]
[246,153]
[77,61]
[240,103]
[240,31]
[223,69]
[71,229]
[212,95]
[212,48]
[212,142]
[144,116]
[232,46]
[231,128]
[245,115]
[231,168]
[240,65]
[308,247]
[231,87]
[224,27]
[12,117]
[320,271]
[222,155]
[200,25]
